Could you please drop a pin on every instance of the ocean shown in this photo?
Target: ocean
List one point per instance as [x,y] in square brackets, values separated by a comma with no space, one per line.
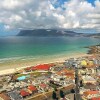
[40,47]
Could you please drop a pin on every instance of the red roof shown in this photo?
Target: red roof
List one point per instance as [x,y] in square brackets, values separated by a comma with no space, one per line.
[42,67]
[32,88]
[88,83]
[28,68]
[24,93]
[33,68]
[95,99]
[43,85]
[65,71]
[90,92]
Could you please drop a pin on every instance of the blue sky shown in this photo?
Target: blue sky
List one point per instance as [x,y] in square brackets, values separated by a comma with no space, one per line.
[15,30]
[91,1]
[5,32]
[62,1]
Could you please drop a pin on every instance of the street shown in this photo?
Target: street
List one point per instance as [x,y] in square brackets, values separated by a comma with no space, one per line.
[77,95]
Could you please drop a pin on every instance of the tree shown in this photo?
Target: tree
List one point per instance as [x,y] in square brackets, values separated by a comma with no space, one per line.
[54,96]
[74,97]
[81,83]
[62,95]
[72,91]
[55,89]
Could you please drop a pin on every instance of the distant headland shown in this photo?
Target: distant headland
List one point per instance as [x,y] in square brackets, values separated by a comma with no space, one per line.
[55,33]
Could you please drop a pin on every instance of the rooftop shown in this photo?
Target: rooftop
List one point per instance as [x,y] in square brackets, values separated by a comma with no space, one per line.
[3,96]
[24,93]
[95,98]
[42,67]
[32,88]
[90,92]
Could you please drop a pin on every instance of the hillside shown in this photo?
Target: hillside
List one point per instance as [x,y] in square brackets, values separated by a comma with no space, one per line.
[44,32]
[54,33]
[95,35]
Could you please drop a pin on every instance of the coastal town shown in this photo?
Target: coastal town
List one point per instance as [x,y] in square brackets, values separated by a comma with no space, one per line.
[73,79]
[49,49]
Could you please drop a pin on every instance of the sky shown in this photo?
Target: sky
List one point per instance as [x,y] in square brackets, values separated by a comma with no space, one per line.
[76,15]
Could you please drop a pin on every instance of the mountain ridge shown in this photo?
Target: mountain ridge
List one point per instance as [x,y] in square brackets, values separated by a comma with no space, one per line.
[54,32]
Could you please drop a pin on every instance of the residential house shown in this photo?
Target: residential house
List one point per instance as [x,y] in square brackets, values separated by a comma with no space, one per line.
[32,89]
[3,96]
[14,95]
[91,94]
[88,79]
[24,93]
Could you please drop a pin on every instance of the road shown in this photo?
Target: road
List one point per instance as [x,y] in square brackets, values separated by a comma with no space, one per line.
[70,96]
[77,95]
[43,96]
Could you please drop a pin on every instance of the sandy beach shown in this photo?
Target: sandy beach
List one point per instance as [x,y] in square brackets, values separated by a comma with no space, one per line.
[12,66]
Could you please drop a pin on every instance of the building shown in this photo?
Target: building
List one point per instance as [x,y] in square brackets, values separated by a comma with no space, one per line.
[91,94]
[88,79]
[32,89]
[96,98]
[24,93]
[3,96]
[43,67]
[14,95]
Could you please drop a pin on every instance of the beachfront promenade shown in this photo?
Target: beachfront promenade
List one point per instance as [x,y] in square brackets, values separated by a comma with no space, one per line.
[38,82]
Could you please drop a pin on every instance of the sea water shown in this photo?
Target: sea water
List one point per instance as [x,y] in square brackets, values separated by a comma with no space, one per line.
[38,47]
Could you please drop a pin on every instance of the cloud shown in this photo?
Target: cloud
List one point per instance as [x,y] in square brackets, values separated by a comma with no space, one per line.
[34,14]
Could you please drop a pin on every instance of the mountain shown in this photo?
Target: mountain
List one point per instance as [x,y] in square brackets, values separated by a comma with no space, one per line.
[47,32]
[94,35]
[54,33]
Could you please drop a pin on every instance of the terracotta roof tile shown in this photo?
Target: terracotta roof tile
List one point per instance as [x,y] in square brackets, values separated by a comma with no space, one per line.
[24,93]
[90,92]
[32,88]
[42,67]
[95,98]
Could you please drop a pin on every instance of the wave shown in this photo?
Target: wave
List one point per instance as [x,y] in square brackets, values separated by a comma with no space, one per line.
[39,57]
[17,58]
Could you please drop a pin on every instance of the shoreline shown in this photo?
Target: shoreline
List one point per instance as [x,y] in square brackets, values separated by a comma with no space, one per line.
[11,67]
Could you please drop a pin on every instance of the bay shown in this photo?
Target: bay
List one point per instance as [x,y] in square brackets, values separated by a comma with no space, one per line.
[39,47]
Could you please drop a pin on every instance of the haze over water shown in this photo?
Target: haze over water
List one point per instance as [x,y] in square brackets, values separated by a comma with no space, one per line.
[39,47]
